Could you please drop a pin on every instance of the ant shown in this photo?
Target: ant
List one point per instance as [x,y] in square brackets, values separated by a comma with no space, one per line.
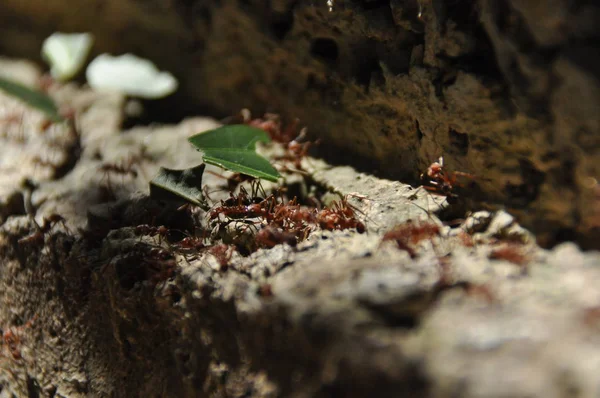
[297,150]
[161,265]
[291,212]
[442,182]
[409,234]
[13,118]
[272,125]
[244,206]
[145,229]
[11,337]
[265,290]
[511,253]
[270,237]
[591,316]
[191,243]
[222,253]
[47,225]
[126,168]
[340,216]
[150,263]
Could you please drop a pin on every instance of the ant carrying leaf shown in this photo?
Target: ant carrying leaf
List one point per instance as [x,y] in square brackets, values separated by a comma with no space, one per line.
[230,147]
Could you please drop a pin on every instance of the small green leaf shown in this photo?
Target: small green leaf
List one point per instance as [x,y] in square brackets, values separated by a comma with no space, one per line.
[31,97]
[242,161]
[233,148]
[236,136]
[185,184]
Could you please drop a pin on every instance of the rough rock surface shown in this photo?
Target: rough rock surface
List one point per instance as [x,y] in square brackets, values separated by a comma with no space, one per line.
[96,308]
[507,90]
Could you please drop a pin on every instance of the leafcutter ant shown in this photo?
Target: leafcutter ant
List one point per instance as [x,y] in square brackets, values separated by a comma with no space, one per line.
[295,143]
[441,182]
[48,223]
[244,206]
[270,237]
[510,252]
[339,216]
[222,253]
[265,290]
[123,169]
[145,229]
[272,125]
[409,234]
[11,338]
[191,243]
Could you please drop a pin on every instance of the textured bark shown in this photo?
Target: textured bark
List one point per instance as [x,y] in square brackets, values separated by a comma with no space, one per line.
[507,90]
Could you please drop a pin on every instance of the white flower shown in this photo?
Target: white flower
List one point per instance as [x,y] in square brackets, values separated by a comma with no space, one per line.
[131,75]
[66,53]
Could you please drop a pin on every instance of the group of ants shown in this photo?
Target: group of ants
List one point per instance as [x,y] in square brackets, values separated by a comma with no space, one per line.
[275,220]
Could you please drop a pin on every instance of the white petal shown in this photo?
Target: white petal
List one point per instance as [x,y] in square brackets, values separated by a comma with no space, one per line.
[131,75]
[66,53]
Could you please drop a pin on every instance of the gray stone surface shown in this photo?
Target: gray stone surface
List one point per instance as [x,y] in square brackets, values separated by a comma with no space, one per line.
[98,309]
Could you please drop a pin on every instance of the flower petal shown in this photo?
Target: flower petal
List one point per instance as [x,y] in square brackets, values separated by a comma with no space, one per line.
[131,75]
[66,53]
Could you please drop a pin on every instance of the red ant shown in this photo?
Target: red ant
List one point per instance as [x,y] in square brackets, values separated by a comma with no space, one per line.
[126,168]
[471,289]
[222,254]
[511,253]
[293,219]
[11,337]
[409,234]
[297,150]
[145,263]
[265,290]
[13,118]
[191,243]
[340,216]
[161,265]
[440,181]
[242,206]
[291,212]
[270,237]
[271,124]
[47,225]
[482,290]
[145,229]
[591,316]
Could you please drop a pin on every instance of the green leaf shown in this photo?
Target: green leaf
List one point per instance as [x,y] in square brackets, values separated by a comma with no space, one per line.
[185,184]
[233,148]
[32,98]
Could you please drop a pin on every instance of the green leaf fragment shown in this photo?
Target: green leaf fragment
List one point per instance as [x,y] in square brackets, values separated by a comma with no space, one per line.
[236,136]
[186,184]
[233,148]
[240,161]
[32,98]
